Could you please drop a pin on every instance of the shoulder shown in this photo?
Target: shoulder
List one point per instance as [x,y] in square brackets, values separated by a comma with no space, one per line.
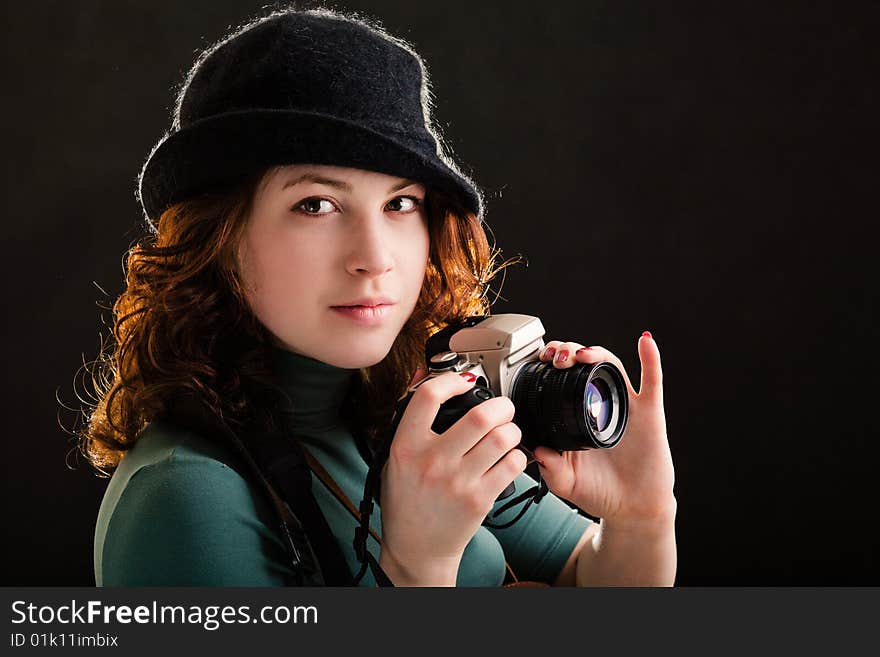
[170,465]
[165,441]
[178,467]
[183,506]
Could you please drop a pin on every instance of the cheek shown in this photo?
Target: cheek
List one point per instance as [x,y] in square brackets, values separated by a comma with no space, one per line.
[417,244]
[277,272]
[415,261]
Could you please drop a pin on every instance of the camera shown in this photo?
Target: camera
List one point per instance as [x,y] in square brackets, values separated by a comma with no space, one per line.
[584,406]
[580,407]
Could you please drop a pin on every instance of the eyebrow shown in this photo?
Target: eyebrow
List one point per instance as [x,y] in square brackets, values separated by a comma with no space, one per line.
[338,184]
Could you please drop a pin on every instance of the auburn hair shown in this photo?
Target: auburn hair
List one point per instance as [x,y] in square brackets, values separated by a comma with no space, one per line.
[183,322]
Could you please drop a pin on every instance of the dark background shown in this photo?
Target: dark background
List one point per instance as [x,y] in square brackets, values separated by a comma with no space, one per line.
[701,171]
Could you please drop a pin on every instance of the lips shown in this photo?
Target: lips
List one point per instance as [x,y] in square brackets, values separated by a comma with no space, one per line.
[377,305]
[365,315]
[367,301]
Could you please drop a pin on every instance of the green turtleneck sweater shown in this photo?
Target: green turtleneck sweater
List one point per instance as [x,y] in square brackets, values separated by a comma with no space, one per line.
[182,510]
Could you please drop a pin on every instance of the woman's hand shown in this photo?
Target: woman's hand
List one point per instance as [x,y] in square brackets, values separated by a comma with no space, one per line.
[437,489]
[631,482]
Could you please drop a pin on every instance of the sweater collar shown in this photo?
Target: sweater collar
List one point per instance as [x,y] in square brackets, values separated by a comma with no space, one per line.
[316,390]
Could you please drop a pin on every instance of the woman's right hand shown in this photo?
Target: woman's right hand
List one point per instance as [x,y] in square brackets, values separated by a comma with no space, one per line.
[437,488]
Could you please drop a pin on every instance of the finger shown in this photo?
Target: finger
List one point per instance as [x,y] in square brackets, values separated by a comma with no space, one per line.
[549,351]
[491,448]
[554,468]
[565,354]
[505,471]
[651,386]
[421,411]
[597,354]
[483,418]
[417,376]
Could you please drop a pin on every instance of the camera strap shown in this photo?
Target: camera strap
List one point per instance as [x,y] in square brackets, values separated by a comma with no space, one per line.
[340,495]
[278,464]
[534,495]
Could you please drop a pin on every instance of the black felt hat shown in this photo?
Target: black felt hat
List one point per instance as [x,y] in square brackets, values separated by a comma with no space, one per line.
[301,86]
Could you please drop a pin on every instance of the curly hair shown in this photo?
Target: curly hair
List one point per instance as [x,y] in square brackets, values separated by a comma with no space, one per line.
[183,322]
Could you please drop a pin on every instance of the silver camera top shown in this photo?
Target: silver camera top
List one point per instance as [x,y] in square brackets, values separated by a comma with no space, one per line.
[492,349]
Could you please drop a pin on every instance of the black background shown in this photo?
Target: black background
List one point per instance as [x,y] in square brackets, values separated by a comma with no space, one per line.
[701,171]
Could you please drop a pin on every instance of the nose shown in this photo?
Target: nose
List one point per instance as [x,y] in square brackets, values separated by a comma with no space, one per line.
[370,251]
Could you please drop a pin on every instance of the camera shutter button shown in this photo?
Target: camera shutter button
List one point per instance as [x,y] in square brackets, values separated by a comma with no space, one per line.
[445,361]
[482,394]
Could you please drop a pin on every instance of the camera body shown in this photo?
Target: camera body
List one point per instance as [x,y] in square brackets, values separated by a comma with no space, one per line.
[581,407]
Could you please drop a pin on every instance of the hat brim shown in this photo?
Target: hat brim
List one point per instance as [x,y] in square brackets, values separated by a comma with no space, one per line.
[221,149]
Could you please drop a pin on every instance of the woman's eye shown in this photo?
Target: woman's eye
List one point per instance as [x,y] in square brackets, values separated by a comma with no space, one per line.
[414,203]
[312,206]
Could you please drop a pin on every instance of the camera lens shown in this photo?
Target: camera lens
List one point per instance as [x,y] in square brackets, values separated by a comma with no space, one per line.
[597,402]
[580,407]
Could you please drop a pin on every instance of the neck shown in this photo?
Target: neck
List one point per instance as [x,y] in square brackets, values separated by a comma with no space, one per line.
[316,390]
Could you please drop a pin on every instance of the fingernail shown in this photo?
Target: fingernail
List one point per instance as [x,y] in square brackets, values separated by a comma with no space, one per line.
[562,355]
[647,333]
[583,349]
[467,375]
[550,351]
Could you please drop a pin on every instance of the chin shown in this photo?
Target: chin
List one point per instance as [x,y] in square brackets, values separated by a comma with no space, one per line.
[356,358]
[350,363]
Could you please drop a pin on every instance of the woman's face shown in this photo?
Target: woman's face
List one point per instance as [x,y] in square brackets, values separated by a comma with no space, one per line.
[322,236]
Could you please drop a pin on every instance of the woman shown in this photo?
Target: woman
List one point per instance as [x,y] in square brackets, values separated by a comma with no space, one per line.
[302,178]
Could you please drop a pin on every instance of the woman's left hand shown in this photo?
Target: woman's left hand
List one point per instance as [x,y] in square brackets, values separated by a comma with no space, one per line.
[633,480]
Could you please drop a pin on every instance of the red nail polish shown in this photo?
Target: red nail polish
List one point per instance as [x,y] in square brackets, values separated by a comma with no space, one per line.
[550,351]
[467,375]
[583,349]
[562,355]
[647,333]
